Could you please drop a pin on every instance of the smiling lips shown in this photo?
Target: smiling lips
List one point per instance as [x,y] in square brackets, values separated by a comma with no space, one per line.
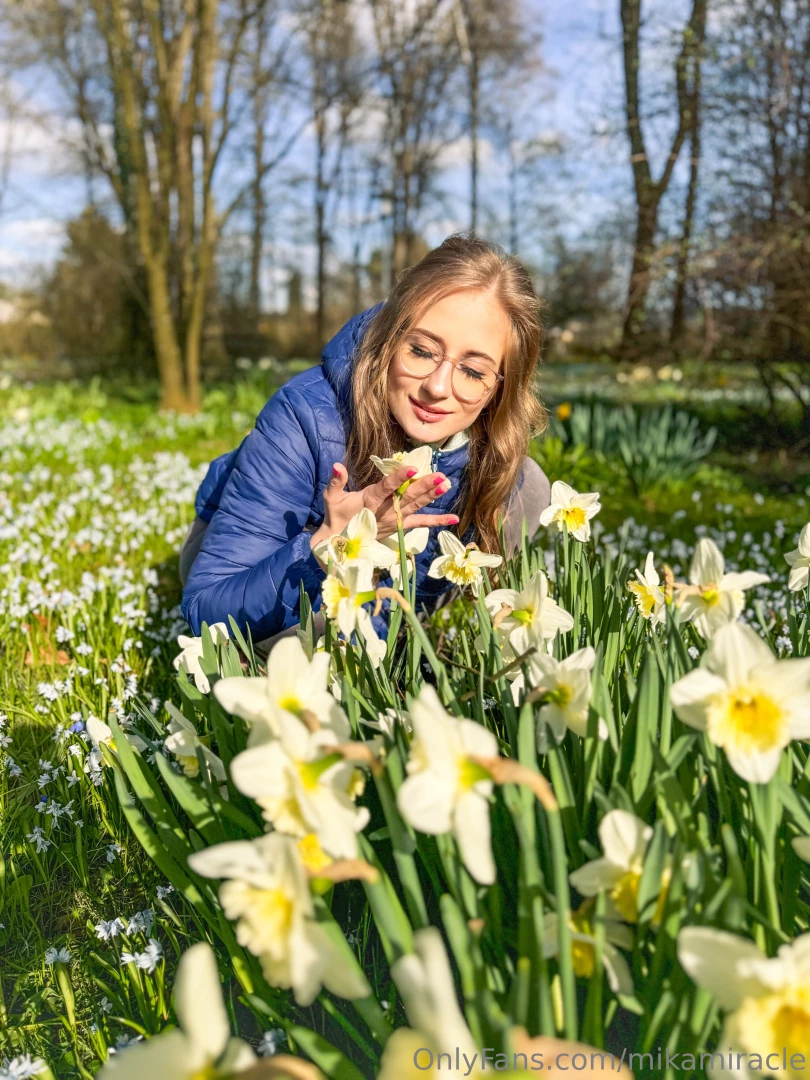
[427,413]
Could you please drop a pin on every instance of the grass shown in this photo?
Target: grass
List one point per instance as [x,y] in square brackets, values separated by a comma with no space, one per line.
[96,492]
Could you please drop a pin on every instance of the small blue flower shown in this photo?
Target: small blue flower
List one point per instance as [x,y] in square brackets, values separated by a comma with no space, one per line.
[77,726]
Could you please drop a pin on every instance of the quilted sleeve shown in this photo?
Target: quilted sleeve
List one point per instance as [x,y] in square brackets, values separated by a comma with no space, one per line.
[256,553]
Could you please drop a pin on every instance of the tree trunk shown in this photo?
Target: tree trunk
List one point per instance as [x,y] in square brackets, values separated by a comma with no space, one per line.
[682,268]
[320,213]
[643,252]
[258,199]
[649,191]
[474,87]
[167,348]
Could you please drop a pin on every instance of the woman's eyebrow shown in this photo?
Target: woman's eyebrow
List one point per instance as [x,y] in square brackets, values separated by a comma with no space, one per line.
[443,344]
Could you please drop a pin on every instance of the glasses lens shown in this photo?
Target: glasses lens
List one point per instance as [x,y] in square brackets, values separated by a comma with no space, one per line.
[472,380]
[418,357]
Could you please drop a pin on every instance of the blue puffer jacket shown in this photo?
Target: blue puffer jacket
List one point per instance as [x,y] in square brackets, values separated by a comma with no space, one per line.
[261,497]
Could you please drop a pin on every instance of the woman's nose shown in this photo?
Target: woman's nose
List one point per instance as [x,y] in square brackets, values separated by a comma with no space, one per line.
[439,384]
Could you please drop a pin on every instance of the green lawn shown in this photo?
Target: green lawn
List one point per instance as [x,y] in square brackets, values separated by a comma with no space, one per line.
[96,492]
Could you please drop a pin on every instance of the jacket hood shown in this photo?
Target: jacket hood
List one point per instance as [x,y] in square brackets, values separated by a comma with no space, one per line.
[336,359]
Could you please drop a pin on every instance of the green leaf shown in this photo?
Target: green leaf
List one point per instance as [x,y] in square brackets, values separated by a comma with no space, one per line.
[327,1057]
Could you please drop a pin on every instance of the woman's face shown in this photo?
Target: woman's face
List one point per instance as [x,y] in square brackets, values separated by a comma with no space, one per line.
[469,327]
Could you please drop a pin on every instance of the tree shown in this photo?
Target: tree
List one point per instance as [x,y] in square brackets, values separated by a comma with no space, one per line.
[649,191]
[96,301]
[333,56]
[759,272]
[494,45]
[417,63]
[163,77]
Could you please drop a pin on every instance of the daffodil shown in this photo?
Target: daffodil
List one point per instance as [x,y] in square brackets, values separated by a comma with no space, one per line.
[266,889]
[415,543]
[388,721]
[293,684]
[713,598]
[183,741]
[534,617]
[625,839]
[356,543]
[648,595]
[567,691]
[304,785]
[747,701]
[766,1001]
[583,946]
[460,564]
[202,1045]
[189,659]
[101,735]
[572,509]
[419,459]
[445,791]
[344,592]
[799,562]
[436,1024]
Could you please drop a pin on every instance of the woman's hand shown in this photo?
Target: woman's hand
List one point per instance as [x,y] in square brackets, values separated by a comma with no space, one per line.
[340,505]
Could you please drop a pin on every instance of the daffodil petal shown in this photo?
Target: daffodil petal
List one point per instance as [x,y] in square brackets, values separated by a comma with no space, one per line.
[721,963]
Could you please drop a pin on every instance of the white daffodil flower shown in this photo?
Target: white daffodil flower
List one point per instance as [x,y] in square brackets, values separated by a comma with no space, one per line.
[304,786]
[436,1024]
[648,596]
[747,701]
[713,598]
[293,684]
[267,891]
[419,459]
[388,721]
[569,507]
[357,542]
[766,1001]
[183,741]
[189,658]
[201,1045]
[583,946]
[625,839]
[445,791]
[344,592]
[415,543]
[799,562]
[101,733]
[460,564]
[568,691]
[534,617]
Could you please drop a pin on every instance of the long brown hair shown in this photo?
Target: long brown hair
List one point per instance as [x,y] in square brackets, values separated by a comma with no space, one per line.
[499,436]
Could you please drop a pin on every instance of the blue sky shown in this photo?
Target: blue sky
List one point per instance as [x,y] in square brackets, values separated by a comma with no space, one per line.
[580,99]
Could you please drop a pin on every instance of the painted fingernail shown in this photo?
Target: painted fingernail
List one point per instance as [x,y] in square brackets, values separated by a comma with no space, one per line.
[411,473]
[438,480]
[335,471]
[454,520]
[442,490]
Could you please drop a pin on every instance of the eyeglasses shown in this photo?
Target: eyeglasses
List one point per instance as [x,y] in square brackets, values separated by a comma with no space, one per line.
[472,378]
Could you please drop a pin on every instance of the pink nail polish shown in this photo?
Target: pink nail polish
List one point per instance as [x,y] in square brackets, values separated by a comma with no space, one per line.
[411,473]
[335,471]
[438,480]
[454,520]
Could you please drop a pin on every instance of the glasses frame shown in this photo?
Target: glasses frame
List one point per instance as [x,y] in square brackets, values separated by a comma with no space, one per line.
[453,361]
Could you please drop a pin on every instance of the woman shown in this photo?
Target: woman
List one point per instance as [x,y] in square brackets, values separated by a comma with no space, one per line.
[447,360]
